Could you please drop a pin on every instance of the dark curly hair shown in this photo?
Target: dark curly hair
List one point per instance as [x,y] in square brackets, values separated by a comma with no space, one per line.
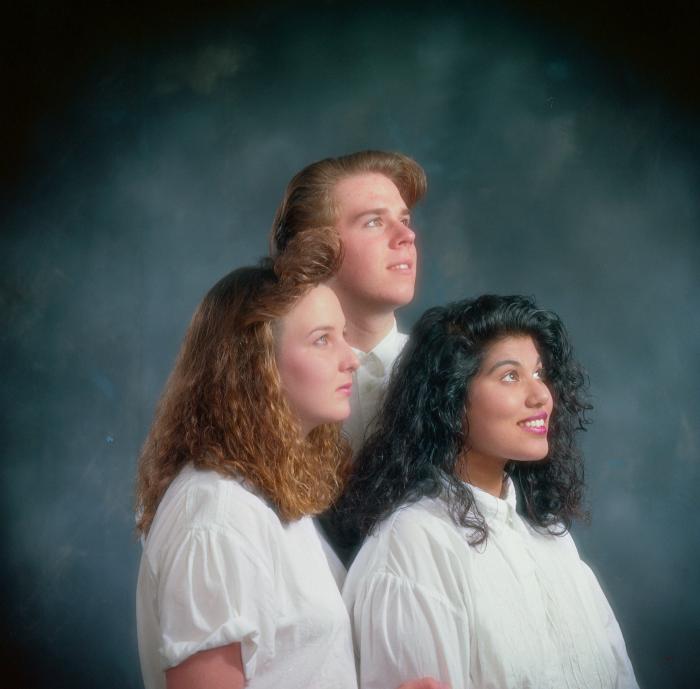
[421,432]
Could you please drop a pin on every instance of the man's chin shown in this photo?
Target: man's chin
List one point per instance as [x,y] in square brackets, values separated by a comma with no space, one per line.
[385,302]
[403,298]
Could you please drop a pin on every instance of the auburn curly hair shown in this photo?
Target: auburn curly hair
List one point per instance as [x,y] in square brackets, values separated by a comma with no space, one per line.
[223,407]
[308,200]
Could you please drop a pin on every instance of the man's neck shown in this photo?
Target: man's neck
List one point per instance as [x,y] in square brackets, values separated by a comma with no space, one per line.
[366,332]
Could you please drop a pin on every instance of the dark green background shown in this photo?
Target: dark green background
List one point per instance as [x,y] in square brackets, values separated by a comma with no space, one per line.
[145,153]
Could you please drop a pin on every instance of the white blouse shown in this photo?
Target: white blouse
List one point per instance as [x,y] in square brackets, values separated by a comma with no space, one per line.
[218,567]
[521,611]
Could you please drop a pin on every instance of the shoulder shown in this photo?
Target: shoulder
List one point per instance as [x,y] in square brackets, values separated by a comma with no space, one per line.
[200,501]
[416,542]
[557,538]
[417,553]
[225,501]
[424,521]
[207,497]
[559,552]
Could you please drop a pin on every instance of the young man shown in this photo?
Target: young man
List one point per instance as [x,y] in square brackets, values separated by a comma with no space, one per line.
[367,198]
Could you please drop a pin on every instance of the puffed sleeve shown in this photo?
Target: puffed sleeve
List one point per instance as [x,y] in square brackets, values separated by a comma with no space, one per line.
[404,630]
[625,675]
[212,591]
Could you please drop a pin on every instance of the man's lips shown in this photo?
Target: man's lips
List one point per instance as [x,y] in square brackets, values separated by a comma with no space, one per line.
[405,266]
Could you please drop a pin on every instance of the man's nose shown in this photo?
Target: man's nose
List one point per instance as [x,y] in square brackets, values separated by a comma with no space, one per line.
[402,233]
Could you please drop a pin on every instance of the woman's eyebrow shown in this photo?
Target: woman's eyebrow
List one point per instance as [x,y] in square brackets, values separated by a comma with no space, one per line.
[505,362]
[510,362]
[321,329]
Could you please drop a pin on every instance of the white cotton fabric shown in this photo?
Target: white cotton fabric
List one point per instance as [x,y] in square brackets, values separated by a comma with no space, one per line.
[521,612]
[218,567]
[369,383]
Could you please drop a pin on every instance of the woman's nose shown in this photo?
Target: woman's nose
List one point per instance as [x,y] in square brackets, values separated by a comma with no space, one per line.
[350,361]
[538,394]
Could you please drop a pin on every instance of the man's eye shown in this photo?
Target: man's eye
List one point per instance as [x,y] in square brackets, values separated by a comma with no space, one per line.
[407,221]
[374,222]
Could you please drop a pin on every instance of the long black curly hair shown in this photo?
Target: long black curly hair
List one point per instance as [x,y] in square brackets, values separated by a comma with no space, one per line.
[421,431]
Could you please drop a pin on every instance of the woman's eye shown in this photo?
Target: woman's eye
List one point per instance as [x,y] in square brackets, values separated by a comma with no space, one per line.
[406,221]
[511,376]
[321,341]
[540,374]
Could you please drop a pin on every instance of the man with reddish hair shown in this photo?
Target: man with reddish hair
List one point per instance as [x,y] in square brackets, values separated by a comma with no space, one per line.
[367,198]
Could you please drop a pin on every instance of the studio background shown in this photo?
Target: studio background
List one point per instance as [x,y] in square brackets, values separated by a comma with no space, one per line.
[145,154]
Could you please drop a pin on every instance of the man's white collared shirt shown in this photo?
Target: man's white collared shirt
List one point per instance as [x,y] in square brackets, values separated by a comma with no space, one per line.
[369,383]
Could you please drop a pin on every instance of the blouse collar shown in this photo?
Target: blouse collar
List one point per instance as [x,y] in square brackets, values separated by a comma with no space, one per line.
[492,507]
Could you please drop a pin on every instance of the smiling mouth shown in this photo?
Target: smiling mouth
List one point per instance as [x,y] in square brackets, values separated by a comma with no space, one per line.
[400,266]
[537,425]
[534,423]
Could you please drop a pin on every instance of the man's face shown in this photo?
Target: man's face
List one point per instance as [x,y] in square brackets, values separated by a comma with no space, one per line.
[379,265]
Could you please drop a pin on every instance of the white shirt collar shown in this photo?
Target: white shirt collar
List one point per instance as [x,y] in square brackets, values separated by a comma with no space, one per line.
[496,508]
[384,352]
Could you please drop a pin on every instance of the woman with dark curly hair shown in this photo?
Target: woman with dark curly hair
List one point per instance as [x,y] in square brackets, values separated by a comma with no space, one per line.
[465,493]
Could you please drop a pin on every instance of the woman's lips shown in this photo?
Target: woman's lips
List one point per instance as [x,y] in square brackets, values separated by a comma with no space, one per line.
[535,424]
[345,389]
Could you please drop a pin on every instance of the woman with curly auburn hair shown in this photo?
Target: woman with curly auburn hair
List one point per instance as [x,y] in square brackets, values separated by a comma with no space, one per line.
[234,587]
[465,493]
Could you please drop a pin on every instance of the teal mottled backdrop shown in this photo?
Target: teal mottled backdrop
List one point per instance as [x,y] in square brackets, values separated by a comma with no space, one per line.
[556,168]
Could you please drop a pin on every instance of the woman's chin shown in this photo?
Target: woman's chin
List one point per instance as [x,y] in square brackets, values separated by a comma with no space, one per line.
[531,459]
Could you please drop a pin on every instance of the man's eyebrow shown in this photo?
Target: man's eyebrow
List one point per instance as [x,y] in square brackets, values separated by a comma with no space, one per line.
[378,211]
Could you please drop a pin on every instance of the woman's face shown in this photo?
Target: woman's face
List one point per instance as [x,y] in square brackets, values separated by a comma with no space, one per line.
[509,405]
[315,362]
